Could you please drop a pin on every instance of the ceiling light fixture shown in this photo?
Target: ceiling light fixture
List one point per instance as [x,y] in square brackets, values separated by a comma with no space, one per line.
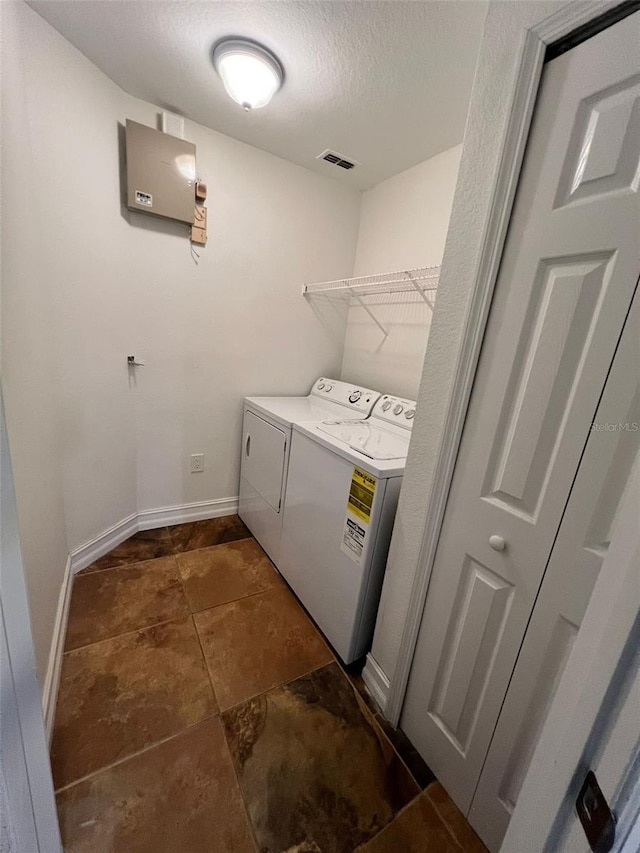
[251,74]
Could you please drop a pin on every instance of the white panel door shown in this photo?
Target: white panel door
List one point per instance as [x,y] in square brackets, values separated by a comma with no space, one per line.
[565,284]
[580,547]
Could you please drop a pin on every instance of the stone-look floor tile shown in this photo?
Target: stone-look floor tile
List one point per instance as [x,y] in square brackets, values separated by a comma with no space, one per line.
[211,531]
[418,767]
[313,772]
[393,741]
[105,604]
[145,545]
[256,643]
[224,573]
[121,695]
[358,683]
[180,796]
[454,819]
[417,829]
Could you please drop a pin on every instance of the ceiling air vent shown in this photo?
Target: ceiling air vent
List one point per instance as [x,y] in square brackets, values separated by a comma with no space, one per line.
[337,159]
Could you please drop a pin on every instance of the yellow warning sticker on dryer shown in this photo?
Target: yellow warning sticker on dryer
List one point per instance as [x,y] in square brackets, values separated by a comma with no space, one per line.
[361,493]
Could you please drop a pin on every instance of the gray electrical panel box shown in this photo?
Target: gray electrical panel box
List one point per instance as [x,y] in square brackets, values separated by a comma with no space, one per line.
[161,173]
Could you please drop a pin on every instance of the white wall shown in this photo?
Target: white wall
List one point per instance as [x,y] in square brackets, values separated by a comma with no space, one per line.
[404,220]
[236,324]
[86,283]
[403,225]
[489,112]
[28,332]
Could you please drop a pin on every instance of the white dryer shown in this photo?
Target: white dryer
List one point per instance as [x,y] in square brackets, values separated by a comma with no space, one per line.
[342,493]
[266,440]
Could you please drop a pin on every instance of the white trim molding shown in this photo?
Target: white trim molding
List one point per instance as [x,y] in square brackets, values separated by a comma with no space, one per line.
[54,664]
[376,682]
[151,518]
[512,142]
[148,519]
[100,545]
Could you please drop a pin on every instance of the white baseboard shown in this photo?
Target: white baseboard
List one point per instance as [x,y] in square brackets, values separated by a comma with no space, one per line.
[151,518]
[54,664]
[376,681]
[97,547]
[148,519]
[100,545]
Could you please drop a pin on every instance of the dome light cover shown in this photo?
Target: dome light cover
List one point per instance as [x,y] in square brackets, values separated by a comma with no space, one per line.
[251,74]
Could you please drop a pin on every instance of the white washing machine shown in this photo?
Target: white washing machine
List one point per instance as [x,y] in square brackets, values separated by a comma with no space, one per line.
[266,440]
[342,493]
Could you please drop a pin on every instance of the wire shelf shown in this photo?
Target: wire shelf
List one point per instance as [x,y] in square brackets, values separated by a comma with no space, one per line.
[422,280]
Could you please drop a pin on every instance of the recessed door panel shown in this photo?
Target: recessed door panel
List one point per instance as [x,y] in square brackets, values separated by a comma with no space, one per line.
[481,611]
[565,304]
[603,152]
[547,676]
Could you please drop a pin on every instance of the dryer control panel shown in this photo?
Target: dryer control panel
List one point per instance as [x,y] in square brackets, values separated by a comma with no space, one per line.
[355,397]
[395,410]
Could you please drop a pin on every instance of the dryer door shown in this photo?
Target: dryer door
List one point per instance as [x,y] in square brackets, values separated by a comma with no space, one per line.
[264,448]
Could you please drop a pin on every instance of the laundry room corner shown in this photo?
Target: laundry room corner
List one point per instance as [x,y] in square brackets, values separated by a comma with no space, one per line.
[403,225]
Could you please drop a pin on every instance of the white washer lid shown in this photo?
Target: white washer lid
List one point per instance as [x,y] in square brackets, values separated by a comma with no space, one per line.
[381,468]
[372,441]
[289,410]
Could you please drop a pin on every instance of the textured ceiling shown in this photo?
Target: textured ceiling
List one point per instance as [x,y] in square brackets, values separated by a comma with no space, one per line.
[385,83]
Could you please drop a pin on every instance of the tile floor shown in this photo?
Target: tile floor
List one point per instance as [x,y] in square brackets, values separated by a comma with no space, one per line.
[200,711]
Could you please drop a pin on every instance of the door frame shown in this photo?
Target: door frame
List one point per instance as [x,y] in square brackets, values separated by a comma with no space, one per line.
[512,139]
[29,798]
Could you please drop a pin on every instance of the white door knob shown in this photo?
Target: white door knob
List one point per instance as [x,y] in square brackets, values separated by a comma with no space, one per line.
[497,543]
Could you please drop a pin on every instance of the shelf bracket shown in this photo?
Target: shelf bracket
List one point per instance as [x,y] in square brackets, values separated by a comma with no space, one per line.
[369,312]
[420,290]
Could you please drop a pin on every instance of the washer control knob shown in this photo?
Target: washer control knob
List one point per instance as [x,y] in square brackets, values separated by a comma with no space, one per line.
[497,543]
[397,410]
[320,386]
[328,388]
[354,396]
[386,406]
[409,414]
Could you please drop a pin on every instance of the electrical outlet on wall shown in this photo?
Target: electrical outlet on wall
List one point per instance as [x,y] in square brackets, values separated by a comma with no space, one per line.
[197,462]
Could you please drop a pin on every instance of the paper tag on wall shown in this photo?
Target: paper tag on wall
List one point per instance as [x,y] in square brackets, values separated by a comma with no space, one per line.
[362,490]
